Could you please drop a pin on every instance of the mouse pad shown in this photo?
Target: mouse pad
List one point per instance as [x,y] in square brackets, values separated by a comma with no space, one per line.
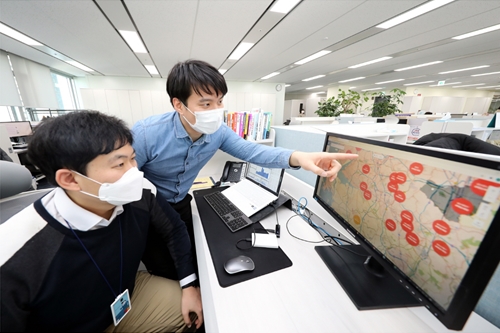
[222,244]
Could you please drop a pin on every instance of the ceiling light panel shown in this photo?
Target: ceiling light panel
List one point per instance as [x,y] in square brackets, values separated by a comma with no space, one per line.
[78,65]
[283,6]
[483,74]
[133,40]
[389,81]
[312,57]
[370,62]
[270,75]
[464,69]
[314,87]
[355,79]
[313,78]
[372,89]
[420,10]
[417,66]
[240,50]
[477,32]
[469,85]
[152,69]
[17,35]
[417,83]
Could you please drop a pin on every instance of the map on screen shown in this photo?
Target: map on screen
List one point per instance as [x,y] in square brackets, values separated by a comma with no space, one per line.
[427,216]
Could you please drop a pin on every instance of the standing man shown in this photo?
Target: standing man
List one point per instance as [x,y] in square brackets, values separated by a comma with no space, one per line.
[173,147]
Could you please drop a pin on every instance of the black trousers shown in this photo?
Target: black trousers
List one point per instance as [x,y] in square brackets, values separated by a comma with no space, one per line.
[157,258]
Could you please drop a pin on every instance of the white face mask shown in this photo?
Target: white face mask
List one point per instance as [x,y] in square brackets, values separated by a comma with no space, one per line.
[207,122]
[125,190]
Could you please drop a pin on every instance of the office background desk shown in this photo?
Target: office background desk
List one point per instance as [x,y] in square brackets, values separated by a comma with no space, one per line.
[304,297]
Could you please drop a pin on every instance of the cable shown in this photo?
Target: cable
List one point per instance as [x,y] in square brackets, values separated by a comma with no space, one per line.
[304,240]
[246,240]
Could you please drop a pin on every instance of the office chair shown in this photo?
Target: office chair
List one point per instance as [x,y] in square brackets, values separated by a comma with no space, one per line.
[14,179]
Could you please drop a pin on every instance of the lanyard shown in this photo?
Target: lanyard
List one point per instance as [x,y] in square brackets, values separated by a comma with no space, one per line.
[121,257]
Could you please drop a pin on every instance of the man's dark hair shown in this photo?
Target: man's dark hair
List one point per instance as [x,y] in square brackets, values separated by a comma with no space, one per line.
[194,75]
[75,139]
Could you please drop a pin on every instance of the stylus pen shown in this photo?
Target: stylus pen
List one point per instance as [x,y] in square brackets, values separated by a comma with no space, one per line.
[197,183]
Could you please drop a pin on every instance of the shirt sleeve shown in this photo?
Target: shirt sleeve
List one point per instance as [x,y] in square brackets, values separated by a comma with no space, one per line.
[266,156]
[140,144]
[167,222]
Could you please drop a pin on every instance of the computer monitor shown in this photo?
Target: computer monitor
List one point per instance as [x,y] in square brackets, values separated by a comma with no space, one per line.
[427,221]
[17,129]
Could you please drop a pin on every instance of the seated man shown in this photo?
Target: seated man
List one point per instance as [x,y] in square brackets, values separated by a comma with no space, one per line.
[69,261]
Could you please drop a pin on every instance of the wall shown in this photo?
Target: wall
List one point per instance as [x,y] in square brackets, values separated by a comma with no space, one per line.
[132,99]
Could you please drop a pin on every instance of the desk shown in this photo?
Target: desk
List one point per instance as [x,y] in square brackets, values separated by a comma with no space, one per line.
[304,297]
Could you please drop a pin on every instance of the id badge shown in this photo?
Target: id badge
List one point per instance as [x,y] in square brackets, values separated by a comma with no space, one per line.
[120,307]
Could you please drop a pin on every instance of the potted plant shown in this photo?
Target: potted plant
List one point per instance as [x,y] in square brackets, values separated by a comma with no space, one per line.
[328,108]
[345,102]
[388,104]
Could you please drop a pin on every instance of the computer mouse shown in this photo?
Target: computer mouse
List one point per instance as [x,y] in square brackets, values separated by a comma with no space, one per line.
[239,264]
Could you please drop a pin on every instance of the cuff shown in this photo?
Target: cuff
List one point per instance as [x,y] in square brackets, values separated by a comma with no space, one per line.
[189,281]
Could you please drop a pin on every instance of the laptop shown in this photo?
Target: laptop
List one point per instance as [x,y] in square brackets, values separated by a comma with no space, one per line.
[260,187]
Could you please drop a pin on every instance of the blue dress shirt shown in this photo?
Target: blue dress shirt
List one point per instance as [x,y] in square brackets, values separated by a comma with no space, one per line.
[171,160]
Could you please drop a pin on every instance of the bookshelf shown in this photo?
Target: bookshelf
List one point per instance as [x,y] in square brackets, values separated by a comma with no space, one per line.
[254,125]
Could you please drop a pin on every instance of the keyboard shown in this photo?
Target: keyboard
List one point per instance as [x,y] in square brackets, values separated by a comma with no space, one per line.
[229,213]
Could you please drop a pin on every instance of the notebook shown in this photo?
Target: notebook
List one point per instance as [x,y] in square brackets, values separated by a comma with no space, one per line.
[260,187]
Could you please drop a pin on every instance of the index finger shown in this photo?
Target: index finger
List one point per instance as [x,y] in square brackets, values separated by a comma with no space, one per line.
[343,156]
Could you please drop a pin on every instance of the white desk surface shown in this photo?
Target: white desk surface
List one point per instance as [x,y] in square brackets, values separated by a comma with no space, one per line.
[302,298]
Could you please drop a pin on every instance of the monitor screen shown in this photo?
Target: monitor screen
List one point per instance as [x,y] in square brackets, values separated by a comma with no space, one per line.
[17,128]
[429,218]
[268,178]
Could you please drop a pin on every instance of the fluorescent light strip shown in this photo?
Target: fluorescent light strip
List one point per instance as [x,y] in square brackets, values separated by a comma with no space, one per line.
[356,78]
[417,66]
[133,40]
[389,81]
[464,69]
[427,7]
[240,51]
[352,87]
[477,32]
[370,62]
[287,85]
[18,36]
[488,87]
[486,74]
[313,78]
[312,57]
[372,89]
[320,92]
[283,6]
[416,83]
[77,64]
[314,87]
[270,75]
[470,85]
[151,69]
[446,84]
[222,70]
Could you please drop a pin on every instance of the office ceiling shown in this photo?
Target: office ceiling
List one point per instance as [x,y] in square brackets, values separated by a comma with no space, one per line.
[175,30]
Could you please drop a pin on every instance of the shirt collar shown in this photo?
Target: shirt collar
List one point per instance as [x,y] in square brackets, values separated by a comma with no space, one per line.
[78,217]
[180,131]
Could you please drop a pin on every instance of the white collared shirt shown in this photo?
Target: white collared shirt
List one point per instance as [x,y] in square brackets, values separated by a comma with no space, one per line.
[63,209]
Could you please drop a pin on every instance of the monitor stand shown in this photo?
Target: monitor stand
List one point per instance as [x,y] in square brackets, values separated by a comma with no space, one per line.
[365,289]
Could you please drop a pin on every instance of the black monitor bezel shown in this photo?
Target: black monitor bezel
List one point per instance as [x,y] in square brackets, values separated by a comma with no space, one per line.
[482,266]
